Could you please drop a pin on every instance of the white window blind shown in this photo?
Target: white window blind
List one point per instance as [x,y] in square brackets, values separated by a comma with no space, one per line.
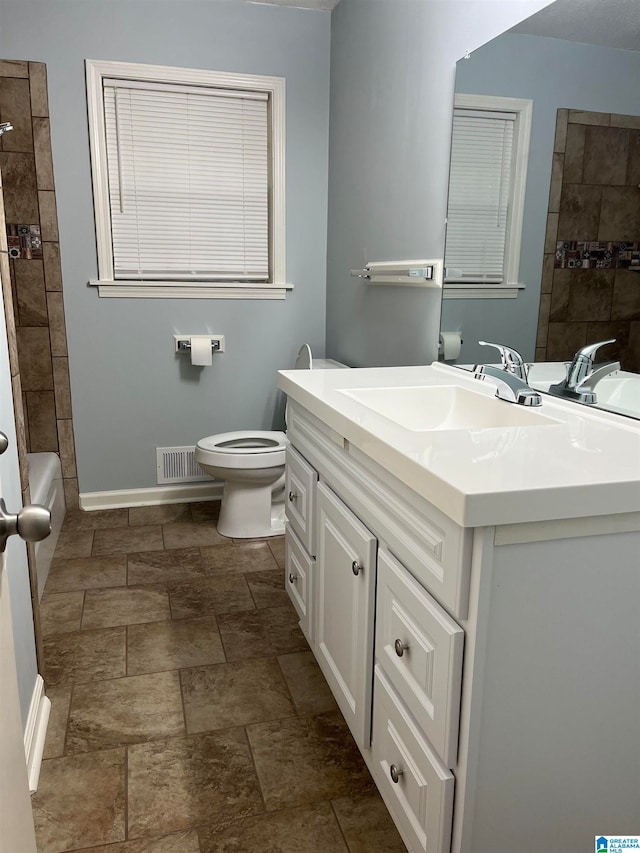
[480,190]
[188,174]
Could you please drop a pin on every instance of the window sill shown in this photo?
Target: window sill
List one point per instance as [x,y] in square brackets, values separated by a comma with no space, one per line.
[481,291]
[202,290]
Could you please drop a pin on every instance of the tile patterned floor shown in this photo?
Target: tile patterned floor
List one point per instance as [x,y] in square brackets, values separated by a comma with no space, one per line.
[188,714]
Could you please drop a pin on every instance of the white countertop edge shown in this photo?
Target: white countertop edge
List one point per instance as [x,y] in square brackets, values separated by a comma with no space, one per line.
[515,503]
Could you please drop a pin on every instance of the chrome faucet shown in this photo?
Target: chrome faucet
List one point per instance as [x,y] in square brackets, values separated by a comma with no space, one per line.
[510,359]
[509,386]
[583,375]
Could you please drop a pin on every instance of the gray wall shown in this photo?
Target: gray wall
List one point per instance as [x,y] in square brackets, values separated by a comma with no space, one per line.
[553,74]
[130,392]
[392,80]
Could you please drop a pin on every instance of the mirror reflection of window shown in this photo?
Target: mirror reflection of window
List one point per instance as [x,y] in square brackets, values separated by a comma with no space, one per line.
[489,152]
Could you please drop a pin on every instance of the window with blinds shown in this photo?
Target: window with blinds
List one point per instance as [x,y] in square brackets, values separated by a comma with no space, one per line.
[188,171]
[484,213]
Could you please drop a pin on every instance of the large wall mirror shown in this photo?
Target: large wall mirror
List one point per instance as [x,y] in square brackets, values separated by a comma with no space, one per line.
[578,271]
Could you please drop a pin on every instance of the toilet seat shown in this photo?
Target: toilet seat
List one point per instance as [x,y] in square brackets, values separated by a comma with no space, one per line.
[243,449]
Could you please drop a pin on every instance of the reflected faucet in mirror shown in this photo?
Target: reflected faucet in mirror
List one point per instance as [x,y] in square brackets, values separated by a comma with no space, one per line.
[583,375]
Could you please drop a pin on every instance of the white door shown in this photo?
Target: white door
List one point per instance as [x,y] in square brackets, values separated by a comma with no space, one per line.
[16,820]
[344,590]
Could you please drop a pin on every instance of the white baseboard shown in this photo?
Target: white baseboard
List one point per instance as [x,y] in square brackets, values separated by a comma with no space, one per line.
[176,494]
[35,732]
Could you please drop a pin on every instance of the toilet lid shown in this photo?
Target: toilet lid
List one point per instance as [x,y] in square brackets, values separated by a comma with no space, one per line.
[304,360]
[245,441]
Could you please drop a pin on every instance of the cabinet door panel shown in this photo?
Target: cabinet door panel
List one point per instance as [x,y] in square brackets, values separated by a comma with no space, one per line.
[344,592]
[298,581]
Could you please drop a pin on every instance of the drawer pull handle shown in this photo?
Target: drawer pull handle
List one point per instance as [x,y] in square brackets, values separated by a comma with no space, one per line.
[400,647]
[356,568]
[292,497]
[292,578]
[395,774]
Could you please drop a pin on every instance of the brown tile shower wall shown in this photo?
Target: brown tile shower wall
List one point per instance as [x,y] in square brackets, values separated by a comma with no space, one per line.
[594,198]
[33,258]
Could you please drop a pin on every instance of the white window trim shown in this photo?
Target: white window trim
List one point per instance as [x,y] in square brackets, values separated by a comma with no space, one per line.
[107,285]
[511,287]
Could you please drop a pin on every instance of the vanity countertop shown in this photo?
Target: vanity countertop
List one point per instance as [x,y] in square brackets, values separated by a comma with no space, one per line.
[586,463]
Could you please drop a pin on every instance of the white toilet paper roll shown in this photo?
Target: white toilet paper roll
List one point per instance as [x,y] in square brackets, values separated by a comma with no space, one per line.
[450,343]
[201,350]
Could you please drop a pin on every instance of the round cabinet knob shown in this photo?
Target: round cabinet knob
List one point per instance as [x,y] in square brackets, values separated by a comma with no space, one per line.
[292,497]
[356,568]
[400,647]
[4,442]
[292,578]
[395,774]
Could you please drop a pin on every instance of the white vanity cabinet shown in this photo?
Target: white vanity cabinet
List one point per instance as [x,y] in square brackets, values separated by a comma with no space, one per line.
[490,675]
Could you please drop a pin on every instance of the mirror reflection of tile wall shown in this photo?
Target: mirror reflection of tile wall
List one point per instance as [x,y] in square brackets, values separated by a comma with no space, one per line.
[590,290]
[34,267]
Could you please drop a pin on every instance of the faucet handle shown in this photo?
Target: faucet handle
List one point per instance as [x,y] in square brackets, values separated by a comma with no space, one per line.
[510,358]
[590,350]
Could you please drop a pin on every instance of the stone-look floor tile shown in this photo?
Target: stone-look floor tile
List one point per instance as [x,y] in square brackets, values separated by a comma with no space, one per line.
[310,691]
[60,698]
[205,511]
[303,830]
[40,410]
[85,656]
[276,546]
[321,760]
[267,588]
[367,825]
[86,573]
[80,801]
[106,608]
[73,545]
[19,188]
[80,519]
[261,633]
[123,711]
[164,566]
[61,612]
[223,594]
[124,540]
[218,697]
[252,556]
[190,534]
[179,783]
[173,645]
[162,514]
[177,842]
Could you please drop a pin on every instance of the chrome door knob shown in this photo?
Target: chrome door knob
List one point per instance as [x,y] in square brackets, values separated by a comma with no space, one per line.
[395,774]
[4,443]
[32,523]
[400,647]
[356,568]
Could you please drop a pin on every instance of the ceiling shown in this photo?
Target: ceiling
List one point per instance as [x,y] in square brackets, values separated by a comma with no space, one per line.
[301,4]
[609,23]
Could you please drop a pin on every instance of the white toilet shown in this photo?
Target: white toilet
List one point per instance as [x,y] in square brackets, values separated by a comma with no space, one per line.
[251,463]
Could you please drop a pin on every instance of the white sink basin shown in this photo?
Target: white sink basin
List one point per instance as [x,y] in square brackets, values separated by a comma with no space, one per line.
[445,407]
[620,393]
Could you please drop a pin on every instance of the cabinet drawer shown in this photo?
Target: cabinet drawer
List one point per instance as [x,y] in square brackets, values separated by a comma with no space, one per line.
[421,800]
[298,580]
[300,486]
[419,647]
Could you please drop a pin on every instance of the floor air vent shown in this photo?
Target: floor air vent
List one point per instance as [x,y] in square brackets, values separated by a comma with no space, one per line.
[178,465]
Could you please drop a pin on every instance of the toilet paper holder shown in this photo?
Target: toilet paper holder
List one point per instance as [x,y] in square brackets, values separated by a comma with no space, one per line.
[182,343]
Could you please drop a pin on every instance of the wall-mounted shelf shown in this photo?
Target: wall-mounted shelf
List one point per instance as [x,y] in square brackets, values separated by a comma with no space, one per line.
[421,273]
